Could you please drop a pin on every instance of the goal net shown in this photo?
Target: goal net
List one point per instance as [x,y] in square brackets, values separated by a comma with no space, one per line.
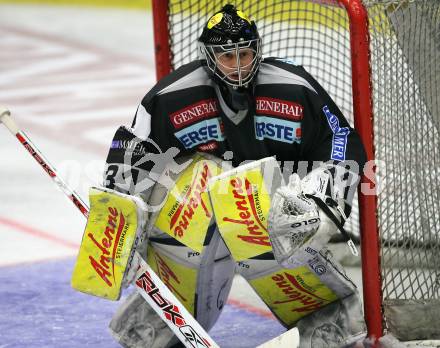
[400,227]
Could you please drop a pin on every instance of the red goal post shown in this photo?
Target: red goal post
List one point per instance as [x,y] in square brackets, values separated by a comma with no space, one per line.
[371,64]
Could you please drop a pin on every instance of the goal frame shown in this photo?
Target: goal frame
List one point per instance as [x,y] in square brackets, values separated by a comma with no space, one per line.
[363,122]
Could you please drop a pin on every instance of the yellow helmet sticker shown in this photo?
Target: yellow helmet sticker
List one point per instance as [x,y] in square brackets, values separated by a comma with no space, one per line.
[214,20]
[242,15]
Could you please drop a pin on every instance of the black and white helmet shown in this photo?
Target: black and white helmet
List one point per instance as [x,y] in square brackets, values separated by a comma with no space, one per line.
[231,45]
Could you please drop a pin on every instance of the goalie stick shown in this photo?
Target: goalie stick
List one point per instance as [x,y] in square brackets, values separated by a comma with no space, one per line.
[148,284]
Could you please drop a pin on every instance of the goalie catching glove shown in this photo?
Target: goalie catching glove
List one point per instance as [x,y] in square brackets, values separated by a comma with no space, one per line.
[305,213]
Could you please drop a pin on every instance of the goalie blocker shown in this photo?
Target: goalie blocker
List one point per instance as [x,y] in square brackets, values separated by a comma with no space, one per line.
[106,260]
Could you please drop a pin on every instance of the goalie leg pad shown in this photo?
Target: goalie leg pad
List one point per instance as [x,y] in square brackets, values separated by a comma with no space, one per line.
[337,325]
[241,199]
[315,282]
[135,324]
[201,282]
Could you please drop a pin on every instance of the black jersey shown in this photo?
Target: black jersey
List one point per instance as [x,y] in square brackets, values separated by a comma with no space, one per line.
[290,117]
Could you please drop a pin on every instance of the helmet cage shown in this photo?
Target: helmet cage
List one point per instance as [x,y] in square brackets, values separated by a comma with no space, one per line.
[244,73]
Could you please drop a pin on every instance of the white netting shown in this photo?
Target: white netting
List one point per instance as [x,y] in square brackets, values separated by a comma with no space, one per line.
[405,44]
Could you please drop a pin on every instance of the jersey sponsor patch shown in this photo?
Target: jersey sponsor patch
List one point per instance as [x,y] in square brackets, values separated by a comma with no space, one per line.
[200,133]
[278,107]
[211,146]
[134,146]
[194,113]
[340,135]
[276,129]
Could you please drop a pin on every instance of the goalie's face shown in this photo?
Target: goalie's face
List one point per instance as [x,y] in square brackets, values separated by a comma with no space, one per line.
[235,64]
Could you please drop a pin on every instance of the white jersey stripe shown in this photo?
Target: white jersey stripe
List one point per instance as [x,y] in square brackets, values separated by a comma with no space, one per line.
[142,125]
[198,77]
[270,74]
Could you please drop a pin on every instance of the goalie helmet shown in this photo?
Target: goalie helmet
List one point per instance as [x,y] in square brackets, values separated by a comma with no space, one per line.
[231,45]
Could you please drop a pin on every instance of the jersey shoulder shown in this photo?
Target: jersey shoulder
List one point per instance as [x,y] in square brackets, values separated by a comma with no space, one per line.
[274,70]
[287,64]
[186,77]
